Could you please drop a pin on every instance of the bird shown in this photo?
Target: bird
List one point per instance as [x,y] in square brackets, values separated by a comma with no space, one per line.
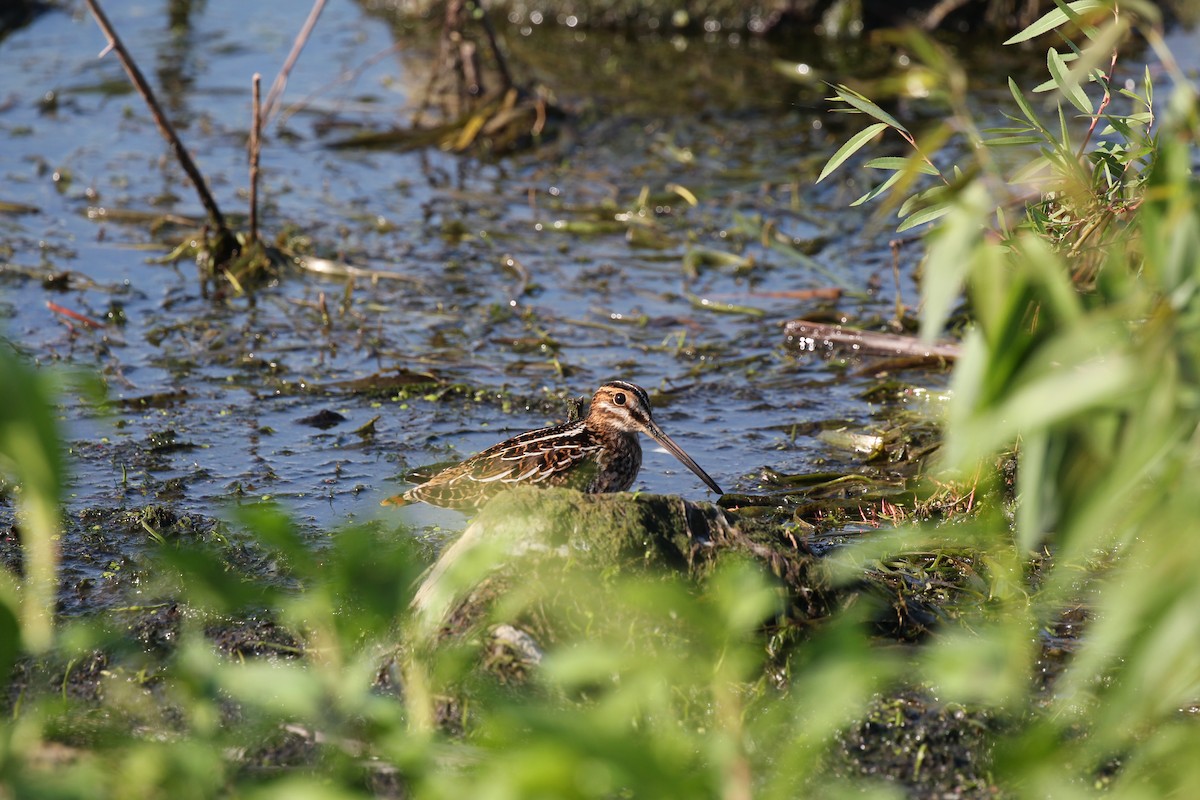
[595,454]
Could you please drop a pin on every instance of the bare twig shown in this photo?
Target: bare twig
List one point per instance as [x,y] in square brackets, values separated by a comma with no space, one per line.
[255,149]
[275,96]
[75,315]
[1106,84]
[940,10]
[497,54]
[449,59]
[164,125]
[815,293]
[341,79]
[895,246]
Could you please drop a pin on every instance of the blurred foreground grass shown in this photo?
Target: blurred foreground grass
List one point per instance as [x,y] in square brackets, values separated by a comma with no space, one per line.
[1071,667]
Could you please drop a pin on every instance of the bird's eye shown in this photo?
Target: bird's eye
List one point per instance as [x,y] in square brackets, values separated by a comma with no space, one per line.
[619,398]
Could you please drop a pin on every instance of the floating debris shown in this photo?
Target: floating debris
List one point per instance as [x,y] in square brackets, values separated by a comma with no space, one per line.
[813,336]
[323,420]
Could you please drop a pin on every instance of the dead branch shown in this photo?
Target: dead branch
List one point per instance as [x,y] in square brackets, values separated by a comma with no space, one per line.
[164,125]
[819,335]
[255,149]
[493,45]
[275,96]
[933,18]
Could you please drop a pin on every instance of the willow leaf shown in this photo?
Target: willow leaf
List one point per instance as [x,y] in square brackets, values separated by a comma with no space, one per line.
[1052,19]
[852,146]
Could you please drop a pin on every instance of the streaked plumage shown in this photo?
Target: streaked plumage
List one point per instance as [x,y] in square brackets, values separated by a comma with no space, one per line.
[599,453]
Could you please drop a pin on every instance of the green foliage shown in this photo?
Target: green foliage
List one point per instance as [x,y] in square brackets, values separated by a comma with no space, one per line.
[1084,189]
[29,451]
[664,695]
[1080,266]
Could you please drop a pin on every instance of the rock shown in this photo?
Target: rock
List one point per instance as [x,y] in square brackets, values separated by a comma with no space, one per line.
[546,540]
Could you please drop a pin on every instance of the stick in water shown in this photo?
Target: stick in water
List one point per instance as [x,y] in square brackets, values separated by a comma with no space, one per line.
[255,147]
[164,125]
[275,96]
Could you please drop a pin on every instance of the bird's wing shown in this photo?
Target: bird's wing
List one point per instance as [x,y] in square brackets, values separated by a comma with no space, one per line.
[558,456]
[549,455]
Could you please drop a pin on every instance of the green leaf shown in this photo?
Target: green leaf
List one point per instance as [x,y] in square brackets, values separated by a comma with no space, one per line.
[897,163]
[986,663]
[1064,142]
[1008,131]
[852,146]
[743,597]
[30,452]
[1010,141]
[1023,104]
[1059,295]
[706,304]
[878,190]
[950,255]
[1033,488]
[1066,82]
[203,577]
[697,257]
[1060,393]
[923,216]
[1035,170]
[1117,126]
[1052,19]
[10,628]
[856,100]
[278,689]
[931,196]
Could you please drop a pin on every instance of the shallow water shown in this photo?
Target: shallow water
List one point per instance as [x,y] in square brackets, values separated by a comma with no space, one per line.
[711,115]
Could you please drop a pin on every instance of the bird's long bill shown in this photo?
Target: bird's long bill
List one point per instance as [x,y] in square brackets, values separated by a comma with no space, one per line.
[677,451]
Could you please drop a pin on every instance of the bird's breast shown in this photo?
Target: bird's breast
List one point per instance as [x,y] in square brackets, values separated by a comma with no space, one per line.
[619,462]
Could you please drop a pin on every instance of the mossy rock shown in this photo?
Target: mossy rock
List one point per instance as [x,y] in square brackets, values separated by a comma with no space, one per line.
[567,549]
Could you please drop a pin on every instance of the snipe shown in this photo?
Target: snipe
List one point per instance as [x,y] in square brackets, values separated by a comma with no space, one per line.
[599,453]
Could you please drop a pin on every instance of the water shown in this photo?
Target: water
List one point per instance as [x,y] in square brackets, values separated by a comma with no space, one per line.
[712,117]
